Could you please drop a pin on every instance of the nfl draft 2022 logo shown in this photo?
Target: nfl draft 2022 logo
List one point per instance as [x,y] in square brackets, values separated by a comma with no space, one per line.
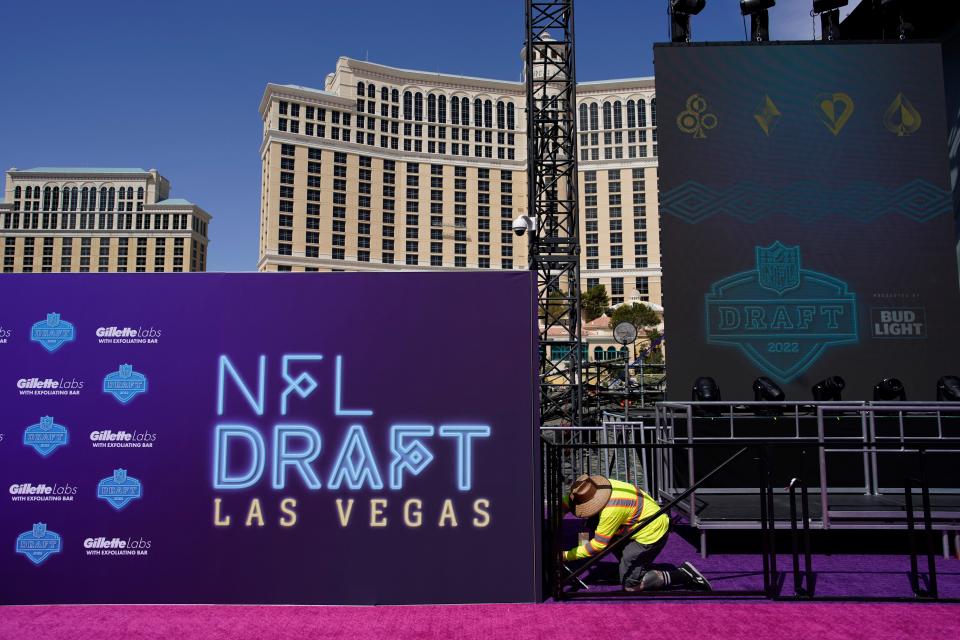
[46,436]
[53,332]
[39,543]
[125,383]
[780,315]
[119,489]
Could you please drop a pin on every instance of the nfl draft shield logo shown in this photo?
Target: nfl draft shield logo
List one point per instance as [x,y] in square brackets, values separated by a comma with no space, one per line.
[53,332]
[39,544]
[119,489]
[125,383]
[781,316]
[45,436]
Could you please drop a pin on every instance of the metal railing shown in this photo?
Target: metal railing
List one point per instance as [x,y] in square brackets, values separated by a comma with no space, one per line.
[562,580]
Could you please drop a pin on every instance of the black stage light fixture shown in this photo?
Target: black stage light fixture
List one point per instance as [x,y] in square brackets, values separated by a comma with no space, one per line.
[828,389]
[889,389]
[829,12]
[680,12]
[758,10]
[948,389]
[895,8]
[706,389]
[766,390]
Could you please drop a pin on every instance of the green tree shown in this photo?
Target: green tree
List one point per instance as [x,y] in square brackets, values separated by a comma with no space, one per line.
[656,353]
[557,306]
[639,314]
[594,302]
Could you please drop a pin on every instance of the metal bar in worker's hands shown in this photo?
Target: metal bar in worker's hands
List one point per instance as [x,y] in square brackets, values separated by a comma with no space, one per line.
[622,540]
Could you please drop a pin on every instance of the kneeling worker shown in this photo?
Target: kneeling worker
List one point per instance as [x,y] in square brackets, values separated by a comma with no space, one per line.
[620,507]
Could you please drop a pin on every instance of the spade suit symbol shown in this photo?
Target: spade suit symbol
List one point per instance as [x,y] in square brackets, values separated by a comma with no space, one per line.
[901,117]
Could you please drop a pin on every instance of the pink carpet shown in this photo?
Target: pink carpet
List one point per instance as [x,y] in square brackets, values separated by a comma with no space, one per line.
[748,621]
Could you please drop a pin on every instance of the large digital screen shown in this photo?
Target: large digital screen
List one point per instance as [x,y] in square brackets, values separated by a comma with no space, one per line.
[268,438]
[807,223]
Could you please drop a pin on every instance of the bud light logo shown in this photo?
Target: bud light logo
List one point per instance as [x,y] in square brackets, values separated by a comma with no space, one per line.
[125,384]
[39,544]
[119,489]
[780,315]
[46,436]
[53,332]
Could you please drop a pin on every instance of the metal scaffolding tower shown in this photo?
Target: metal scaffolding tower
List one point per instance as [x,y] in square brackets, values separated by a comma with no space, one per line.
[553,205]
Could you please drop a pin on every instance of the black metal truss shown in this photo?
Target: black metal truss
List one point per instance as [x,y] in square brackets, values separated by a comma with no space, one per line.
[553,204]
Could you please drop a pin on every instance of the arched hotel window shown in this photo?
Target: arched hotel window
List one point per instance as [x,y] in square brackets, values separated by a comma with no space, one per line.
[611,353]
[431,108]
[111,193]
[46,199]
[598,354]
[407,105]
[478,113]
[653,111]
[501,115]
[395,95]
[631,114]
[607,119]
[360,91]
[617,115]
[642,112]
[455,110]
[140,193]
[418,107]
[129,193]
[442,109]
[583,117]
[55,202]
[464,111]
[17,191]
[384,94]
[372,91]
[83,199]
[594,111]
[73,199]
[488,114]
[511,118]
[103,199]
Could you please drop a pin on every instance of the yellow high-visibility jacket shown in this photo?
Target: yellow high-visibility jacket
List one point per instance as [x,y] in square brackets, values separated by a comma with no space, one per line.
[626,507]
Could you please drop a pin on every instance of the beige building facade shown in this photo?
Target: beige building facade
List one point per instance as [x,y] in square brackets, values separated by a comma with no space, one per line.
[393,169]
[67,219]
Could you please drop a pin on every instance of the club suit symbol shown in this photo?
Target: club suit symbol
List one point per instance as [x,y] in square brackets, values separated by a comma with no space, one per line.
[834,110]
[695,119]
[901,117]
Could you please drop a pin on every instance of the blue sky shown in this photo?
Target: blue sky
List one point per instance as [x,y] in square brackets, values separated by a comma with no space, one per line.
[175,85]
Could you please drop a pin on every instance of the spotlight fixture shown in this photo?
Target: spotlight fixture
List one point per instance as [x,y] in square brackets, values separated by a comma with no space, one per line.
[680,12]
[829,12]
[895,8]
[758,10]
[828,389]
[705,389]
[948,389]
[889,389]
[766,390]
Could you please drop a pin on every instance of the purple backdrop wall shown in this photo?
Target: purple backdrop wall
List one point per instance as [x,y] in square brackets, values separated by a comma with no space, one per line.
[413,480]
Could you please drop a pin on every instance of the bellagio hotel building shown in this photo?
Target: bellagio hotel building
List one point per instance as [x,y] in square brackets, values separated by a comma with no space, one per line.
[70,219]
[392,169]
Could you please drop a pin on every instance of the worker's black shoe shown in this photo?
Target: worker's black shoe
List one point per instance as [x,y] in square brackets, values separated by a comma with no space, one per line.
[696,580]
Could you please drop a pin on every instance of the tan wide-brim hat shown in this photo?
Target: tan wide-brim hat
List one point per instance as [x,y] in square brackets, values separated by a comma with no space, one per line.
[589,495]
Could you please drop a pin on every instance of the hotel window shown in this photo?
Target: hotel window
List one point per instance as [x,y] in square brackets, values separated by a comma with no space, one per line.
[642,112]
